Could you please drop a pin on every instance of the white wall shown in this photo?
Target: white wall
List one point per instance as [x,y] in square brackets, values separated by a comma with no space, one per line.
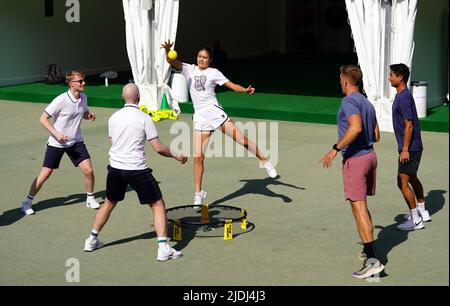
[29,40]
[430,60]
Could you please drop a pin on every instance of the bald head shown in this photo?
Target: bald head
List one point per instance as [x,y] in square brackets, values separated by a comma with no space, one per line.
[130,93]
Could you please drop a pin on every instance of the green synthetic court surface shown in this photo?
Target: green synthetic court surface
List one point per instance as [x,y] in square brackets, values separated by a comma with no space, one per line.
[272,106]
[299,88]
[304,232]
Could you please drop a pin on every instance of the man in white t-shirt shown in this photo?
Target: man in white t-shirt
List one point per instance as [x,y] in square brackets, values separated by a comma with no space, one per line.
[129,130]
[67,111]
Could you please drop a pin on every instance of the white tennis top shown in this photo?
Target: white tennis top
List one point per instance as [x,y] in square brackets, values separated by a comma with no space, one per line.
[67,113]
[129,130]
[202,84]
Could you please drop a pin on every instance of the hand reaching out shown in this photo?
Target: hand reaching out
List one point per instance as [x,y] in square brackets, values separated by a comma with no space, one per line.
[167,45]
[327,159]
[181,158]
[250,90]
[92,116]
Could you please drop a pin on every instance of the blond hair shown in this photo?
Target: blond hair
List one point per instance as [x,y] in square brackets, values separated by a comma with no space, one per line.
[72,74]
[353,73]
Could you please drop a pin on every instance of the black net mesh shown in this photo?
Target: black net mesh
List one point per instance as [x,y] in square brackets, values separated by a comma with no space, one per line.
[218,214]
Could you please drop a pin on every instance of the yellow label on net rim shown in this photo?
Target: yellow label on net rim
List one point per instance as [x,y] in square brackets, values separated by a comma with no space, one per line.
[244,224]
[243,220]
[177,231]
[228,230]
[204,217]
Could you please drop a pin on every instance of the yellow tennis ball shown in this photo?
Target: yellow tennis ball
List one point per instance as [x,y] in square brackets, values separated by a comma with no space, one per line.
[172,55]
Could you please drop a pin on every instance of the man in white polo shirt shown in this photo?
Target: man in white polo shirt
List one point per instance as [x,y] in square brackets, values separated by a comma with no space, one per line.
[67,110]
[129,130]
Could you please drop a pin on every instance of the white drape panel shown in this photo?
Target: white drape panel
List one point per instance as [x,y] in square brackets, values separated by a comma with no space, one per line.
[146,30]
[367,20]
[403,21]
[380,43]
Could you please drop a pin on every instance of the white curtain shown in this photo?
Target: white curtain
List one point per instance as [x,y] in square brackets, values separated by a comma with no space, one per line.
[402,35]
[148,24]
[383,35]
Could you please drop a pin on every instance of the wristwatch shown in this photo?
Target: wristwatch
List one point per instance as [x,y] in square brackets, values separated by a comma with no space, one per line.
[336,148]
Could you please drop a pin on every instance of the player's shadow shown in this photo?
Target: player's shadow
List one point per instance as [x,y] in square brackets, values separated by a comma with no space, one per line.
[188,232]
[259,186]
[13,215]
[148,235]
[389,237]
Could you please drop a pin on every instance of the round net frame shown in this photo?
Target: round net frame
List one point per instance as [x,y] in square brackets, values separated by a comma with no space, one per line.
[218,215]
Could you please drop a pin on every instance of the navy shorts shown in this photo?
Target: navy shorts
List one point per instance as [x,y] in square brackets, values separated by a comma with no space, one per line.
[142,181]
[412,166]
[77,153]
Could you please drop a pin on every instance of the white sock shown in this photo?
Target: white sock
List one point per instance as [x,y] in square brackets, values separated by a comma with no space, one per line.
[29,199]
[162,242]
[421,207]
[415,215]
[94,234]
[90,196]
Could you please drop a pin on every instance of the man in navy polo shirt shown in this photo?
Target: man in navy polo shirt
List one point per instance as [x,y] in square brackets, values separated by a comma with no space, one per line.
[67,110]
[409,141]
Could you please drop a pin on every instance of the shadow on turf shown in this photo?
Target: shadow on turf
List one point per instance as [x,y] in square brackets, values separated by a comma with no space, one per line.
[389,237]
[189,232]
[258,186]
[13,215]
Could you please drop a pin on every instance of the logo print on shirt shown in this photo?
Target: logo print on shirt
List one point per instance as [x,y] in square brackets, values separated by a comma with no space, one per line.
[200,82]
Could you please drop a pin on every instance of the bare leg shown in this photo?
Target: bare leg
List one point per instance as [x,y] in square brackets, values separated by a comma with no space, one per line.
[363,220]
[200,142]
[159,218]
[417,187]
[230,129]
[407,192]
[39,181]
[102,215]
[89,179]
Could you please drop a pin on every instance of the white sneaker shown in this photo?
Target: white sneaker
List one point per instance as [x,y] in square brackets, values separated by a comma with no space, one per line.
[92,244]
[166,253]
[26,208]
[372,266]
[92,203]
[425,216]
[270,170]
[199,197]
[410,225]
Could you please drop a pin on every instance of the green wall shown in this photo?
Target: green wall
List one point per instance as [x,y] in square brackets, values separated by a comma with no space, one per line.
[430,60]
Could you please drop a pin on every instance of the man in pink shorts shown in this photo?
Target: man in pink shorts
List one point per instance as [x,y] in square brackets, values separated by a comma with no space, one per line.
[358,131]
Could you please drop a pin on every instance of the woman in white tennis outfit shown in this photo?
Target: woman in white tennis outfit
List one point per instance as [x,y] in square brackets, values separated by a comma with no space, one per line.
[209,115]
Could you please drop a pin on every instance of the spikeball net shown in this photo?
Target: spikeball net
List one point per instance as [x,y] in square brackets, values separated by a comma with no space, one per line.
[208,221]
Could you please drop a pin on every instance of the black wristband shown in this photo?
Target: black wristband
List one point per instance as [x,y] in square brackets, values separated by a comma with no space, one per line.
[336,148]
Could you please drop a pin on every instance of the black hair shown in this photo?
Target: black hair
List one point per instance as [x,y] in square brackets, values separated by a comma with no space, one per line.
[401,69]
[208,50]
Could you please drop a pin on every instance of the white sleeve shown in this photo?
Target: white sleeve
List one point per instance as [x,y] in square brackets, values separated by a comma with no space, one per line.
[85,105]
[187,69]
[54,107]
[219,78]
[150,129]
[109,127]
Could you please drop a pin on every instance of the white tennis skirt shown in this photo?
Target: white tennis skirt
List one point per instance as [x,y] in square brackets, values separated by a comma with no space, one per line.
[209,118]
